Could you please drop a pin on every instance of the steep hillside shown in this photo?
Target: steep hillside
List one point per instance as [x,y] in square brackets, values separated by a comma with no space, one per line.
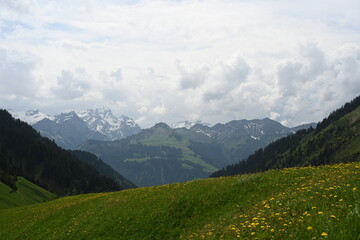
[335,139]
[23,152]
[298,203]
[26,193]
[102,168]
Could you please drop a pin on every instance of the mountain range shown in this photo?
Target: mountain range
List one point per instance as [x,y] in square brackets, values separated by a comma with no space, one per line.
[69,129]
[161,154]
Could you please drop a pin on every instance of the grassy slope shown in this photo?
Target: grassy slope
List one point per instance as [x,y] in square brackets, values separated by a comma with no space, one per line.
[27,193]
[162,137]
[298,203]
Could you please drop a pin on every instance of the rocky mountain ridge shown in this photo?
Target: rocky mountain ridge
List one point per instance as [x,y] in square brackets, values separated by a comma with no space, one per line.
[69,129]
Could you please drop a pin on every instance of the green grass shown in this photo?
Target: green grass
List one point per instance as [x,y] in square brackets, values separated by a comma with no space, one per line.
[297,203]
[27,193]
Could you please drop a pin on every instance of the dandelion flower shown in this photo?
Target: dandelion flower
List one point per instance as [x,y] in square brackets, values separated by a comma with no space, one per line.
[324,234]
[309,228]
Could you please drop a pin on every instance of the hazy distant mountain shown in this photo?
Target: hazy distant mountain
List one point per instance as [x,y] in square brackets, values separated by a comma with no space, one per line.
[188,124]
[240,138]
[258,129]
[69,129]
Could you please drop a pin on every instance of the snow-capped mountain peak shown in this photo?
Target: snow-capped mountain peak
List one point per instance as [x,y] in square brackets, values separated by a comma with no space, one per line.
[103,120]
[66,116]
[188,124]
[31,116]
[66,127]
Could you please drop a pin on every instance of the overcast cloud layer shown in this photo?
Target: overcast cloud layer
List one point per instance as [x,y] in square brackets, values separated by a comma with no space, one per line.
[157,60]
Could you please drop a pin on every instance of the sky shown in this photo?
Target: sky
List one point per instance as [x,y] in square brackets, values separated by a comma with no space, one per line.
[171,60]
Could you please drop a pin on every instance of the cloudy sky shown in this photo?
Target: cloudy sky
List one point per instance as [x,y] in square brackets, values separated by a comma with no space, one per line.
[171,60]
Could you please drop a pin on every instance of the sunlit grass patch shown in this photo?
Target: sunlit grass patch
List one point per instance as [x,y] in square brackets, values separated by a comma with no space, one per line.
[308,203]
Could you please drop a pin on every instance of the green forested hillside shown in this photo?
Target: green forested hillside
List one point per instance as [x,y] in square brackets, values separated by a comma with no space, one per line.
[335,139]
[295,203]
[23,152]
[26,193]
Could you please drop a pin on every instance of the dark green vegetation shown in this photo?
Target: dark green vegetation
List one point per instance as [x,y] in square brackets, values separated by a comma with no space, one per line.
[26,193]
[102,168]
[162,155]
[335,139]
[23,152]
[297,203]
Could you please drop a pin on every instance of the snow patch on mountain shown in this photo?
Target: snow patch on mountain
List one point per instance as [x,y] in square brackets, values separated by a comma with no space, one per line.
[100,120]
[32,116]
[188,124]
[103,121]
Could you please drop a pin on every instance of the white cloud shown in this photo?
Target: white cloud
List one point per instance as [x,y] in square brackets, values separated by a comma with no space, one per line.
[159,110]
[16,74]
[72,84]
[19,6]
[191,79]
[165,60]
[226,77]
